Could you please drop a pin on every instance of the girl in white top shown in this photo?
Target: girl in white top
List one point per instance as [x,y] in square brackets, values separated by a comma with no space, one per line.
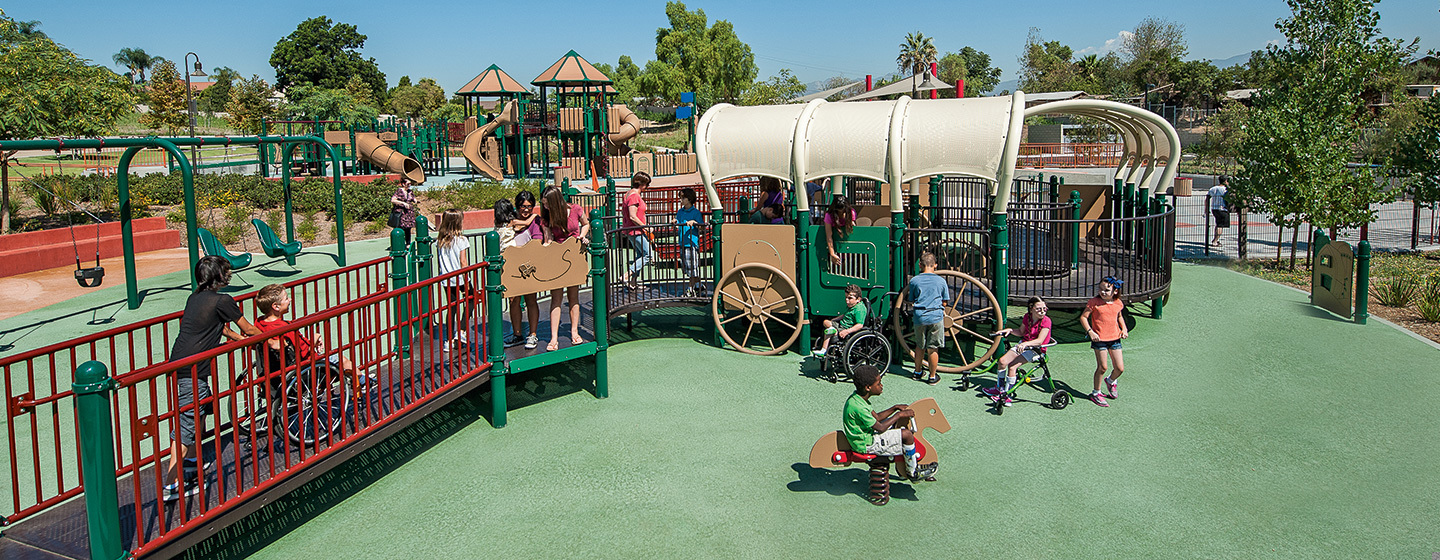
[450,255]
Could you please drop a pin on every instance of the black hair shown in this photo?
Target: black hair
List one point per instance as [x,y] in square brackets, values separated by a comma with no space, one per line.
[1224,179]
[1032,301]
[212,273]
[688,193]
[505,211]
[778,209]
[524,196]
[864,376]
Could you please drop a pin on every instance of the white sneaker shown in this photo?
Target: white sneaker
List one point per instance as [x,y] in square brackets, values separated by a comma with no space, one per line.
[462,338]
[531,342]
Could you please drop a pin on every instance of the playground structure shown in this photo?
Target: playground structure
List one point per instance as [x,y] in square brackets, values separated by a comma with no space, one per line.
[410,148]
[571,123]
[378,314]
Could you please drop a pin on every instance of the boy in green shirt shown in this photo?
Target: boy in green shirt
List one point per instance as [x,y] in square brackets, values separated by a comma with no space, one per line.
[876,433]
[847,323]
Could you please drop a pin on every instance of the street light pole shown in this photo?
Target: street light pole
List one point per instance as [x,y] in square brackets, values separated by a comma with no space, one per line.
[190,100]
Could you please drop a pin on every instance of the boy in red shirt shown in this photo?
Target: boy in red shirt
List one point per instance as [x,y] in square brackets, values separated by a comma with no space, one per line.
[274,301]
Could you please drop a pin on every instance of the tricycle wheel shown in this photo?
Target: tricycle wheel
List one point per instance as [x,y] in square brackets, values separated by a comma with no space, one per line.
[1060,400]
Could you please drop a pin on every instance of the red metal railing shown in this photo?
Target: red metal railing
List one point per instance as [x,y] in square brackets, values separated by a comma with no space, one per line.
[1070,155]
[270,421]
[42,454]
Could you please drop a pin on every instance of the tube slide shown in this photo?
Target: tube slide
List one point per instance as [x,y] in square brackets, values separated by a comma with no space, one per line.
[629,127]
[482,148]
[371,148]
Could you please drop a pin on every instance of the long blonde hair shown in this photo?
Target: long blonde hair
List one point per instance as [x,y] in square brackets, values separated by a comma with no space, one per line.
[452,225]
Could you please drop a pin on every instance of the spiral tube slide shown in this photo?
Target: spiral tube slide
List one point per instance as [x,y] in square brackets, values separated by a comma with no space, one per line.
[370,148]
[482,148]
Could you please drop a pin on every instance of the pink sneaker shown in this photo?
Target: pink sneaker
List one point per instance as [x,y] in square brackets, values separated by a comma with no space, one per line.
[1008,400]
[1112,389]
[1099,399]
[990,391]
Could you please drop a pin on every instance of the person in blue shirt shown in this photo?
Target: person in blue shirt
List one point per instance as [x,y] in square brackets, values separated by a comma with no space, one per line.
[690,220]
[929,292]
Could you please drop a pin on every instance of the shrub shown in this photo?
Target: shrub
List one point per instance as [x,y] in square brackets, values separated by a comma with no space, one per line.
[307,230]
[275,219]
[1397,291]
[229,232]
[376,226]
[237,213]
[1428,303]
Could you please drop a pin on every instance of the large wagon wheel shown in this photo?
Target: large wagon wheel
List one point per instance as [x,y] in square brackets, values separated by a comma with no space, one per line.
[762,302]
[970,301]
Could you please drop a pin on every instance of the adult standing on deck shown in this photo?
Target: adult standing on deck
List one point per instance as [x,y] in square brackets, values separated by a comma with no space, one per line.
[404,207]
[208,314]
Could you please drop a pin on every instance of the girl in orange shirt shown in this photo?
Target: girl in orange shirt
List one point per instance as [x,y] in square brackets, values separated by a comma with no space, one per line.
[1106,327]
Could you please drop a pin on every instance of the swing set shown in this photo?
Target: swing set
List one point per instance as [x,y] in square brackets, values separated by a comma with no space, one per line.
[94,276]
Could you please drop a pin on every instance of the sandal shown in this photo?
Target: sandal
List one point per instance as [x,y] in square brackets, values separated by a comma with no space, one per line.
[576,340]
[553,346]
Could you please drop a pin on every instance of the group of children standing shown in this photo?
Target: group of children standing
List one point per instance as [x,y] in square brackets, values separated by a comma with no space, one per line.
[517,223]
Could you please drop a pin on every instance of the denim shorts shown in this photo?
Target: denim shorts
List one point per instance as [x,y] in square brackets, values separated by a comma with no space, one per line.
[1110,345]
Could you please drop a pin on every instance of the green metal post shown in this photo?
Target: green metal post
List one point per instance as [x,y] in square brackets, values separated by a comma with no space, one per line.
[1140,228]
[802,280]
[746,210]
[1054,189]
[717,219]
[999,249]
[127,229]
[609,196]
[1076,201]
[92,388]
[935,190]
[1362,283]
[599,281]
[897,250]
[494,303]
[1116,204]
[399,278]
[424,266]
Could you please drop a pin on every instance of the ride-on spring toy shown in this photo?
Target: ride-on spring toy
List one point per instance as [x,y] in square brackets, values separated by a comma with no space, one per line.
[833,450]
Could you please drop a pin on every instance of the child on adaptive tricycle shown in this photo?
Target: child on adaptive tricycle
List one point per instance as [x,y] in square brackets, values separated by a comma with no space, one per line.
[885,433]
[1035,330]
[847,323]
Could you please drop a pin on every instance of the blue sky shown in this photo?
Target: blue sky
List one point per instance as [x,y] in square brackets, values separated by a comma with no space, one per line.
[453,41]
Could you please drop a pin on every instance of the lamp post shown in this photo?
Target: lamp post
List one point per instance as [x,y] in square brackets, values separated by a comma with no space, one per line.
[190,100]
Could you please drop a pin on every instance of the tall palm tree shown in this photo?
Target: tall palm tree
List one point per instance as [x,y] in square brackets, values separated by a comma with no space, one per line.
[917,52]
[136,61]
[30,29]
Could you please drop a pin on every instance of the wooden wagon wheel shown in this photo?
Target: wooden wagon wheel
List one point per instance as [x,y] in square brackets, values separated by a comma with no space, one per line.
[757,295]
[955,332]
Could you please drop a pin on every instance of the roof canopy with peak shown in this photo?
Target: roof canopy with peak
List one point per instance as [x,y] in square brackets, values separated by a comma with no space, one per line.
[493,81]
[571,70]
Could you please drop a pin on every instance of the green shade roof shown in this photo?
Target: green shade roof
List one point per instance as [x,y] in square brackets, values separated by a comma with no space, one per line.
[493,81]
[571,70]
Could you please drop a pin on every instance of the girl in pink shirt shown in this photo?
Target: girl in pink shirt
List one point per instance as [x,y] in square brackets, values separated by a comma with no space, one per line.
[561,221]
[1105,325]
[1034,335]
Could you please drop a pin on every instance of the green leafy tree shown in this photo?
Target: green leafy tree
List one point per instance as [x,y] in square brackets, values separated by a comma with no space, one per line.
[250,104]
[661,81]
[449,112]
[980,77]
[168,110]
[326,54]
[624,76]
[780,88]
[1416,157]
[917,52]
[417,100]
[214,98]
[1153,51]
[953,69]
[310,102]
[358,89]
[1304,129]
[48,90]
[708,59]
[1196,83]
[1045,65]
[1225,131]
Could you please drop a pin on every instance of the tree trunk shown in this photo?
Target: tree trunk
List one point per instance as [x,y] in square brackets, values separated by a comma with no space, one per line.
[5,191]
[1242,234]
[1294,238]
[1279,244]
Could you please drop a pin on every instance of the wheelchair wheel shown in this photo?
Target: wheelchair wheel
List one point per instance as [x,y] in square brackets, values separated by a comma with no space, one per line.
[1060,400]
[315,403]
[865,348]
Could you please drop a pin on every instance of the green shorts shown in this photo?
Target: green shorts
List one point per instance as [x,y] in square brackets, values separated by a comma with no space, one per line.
[930,336]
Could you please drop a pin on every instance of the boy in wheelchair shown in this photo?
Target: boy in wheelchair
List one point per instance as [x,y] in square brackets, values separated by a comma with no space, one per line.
[273,301]
[846,324]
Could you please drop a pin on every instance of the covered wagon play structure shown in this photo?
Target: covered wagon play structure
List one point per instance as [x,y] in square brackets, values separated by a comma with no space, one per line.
[946,171]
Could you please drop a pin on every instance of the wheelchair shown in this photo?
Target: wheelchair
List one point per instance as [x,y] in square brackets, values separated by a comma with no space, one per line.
[307,402]
[866,347]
